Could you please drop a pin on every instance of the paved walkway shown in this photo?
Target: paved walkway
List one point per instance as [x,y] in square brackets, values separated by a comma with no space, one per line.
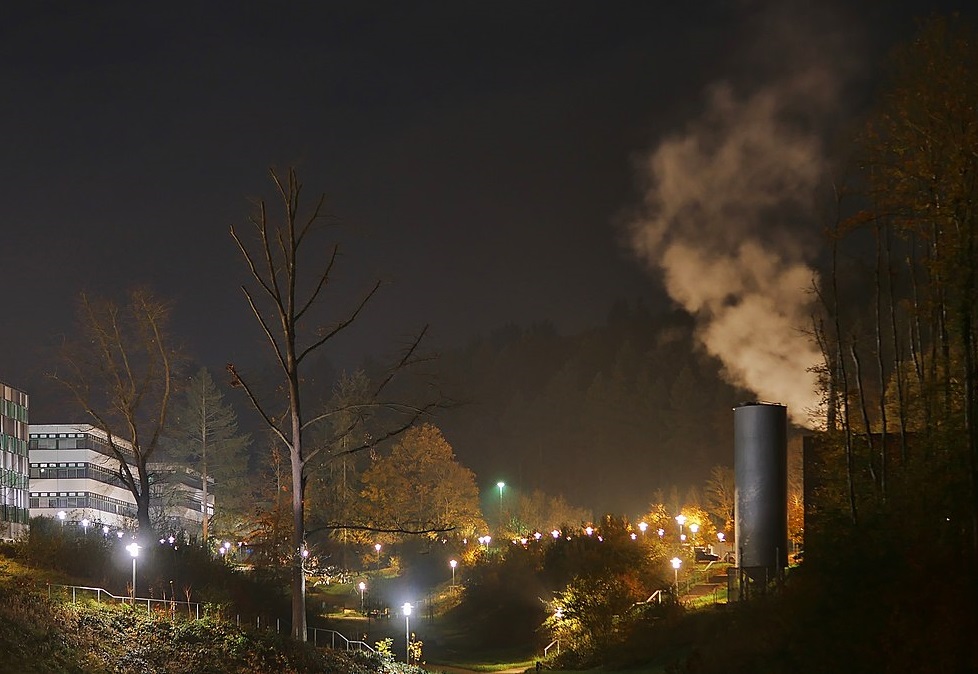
[448,669]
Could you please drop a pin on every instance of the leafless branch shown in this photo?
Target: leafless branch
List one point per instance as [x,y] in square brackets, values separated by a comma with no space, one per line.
[329,334]
[238,382]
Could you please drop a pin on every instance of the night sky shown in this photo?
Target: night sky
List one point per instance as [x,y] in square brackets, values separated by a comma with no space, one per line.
[482,158]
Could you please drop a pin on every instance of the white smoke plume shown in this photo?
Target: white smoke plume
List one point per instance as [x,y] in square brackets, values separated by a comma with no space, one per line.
[727,211]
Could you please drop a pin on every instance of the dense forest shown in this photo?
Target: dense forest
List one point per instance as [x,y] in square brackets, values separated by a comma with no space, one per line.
[604,418]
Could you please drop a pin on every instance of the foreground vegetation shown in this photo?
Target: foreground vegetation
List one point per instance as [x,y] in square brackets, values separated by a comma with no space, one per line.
[43,635]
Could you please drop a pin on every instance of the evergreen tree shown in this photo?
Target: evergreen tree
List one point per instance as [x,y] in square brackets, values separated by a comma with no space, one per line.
[204,435]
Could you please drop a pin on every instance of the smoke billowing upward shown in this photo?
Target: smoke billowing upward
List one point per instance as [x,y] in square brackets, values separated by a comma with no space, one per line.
[725,207]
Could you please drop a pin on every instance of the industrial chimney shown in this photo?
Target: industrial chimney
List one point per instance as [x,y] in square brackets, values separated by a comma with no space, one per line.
[761,490]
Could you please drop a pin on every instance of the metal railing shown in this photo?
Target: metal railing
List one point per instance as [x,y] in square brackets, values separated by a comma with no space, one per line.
[170,606]
[332,637]
[555,642]
[320,637]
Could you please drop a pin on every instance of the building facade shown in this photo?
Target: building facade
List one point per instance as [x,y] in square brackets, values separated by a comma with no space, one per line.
[14,480]
[75,478]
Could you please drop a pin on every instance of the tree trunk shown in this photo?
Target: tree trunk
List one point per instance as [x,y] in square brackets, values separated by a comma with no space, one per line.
[881,368]
[298,547]
[864,410]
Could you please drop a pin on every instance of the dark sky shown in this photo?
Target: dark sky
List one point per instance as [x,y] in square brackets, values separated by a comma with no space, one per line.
[480,157]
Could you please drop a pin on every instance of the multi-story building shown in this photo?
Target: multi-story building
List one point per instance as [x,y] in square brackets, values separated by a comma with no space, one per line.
[14,513]
[75,478]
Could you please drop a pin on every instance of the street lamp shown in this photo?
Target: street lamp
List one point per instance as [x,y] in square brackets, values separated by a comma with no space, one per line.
[377,547]
[453,564]
[642,526]
[85,525]
[681,519]
[693,529]
[500,485]
[676,563]
[406,609]
[362,586]
[133,549]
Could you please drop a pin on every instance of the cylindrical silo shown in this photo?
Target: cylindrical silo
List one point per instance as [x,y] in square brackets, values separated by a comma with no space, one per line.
[761,489]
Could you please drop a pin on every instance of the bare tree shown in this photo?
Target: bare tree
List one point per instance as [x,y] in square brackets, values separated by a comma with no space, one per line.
[120,369]
[284,305]
[720,495]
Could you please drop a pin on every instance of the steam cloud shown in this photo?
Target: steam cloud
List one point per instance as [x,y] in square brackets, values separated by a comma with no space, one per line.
[721,217]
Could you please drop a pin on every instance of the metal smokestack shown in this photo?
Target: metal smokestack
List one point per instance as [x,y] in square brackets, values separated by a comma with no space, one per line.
[761,489]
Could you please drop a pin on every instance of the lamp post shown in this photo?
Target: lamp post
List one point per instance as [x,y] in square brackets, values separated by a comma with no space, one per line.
[500,485]
[694,529]
[642,526]
[406,609]
[681,520]
[676,563]
[133,549]
[362,586]
[453,564]
[377,547]
[85,525]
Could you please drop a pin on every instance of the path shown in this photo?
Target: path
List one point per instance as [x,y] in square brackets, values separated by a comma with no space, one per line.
[448,669]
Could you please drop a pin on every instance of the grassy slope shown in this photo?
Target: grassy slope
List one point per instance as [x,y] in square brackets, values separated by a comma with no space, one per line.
[44,636]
